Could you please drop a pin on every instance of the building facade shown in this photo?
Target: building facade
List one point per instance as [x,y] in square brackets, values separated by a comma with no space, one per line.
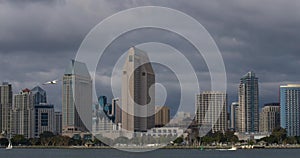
[290,108]
[234,116]
[23,114]
[117,111]
[5,107]
[138,99]
[39,95]
[212,110]
[43,119]
[102,101]
[58,123]
[162,116]
[76,99]
[248,104]
[269,118]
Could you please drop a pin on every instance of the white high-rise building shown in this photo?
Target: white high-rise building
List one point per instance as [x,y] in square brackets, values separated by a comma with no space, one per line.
[212,110]
[138,99]
[76,99]
[23,114]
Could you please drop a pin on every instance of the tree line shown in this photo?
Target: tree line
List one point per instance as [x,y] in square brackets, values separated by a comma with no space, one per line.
[49,139]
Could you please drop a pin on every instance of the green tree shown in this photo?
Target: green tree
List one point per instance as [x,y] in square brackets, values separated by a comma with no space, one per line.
[46,138]
[206,140]
[3,142]
[103,141]
[230,137]
[279,134]
[34,141]
[121,140]
[178,140]
[290,140]
[19,140]
[136,140]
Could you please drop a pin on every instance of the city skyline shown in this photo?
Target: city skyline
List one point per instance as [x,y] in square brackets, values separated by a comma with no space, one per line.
[239,52]
[149,78]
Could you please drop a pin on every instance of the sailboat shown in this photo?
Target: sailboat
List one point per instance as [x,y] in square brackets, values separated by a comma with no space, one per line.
[9,145]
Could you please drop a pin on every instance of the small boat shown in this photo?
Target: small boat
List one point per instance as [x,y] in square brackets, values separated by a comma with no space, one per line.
[9,146]
[233,148]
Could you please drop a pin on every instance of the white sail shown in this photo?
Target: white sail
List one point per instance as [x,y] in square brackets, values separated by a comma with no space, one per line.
[9,146]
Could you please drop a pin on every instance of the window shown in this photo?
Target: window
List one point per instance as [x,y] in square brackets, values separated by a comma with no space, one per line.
[44,119]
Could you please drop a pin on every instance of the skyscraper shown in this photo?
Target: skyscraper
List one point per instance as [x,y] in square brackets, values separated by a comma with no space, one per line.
[248,103]
[234,116]
[23,114]
[212,110]
[269,117]
[138,99]
[39,95]
[290,108]
[76,99]
[5,107]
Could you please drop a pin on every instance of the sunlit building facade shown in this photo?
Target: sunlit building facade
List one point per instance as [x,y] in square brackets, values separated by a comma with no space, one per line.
[212,110]
[290,108]
[76,99]
[138,99]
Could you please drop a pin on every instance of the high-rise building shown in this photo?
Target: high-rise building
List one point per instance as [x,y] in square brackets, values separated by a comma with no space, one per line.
[138,99]
[43,119]
[5,107]
[39,95]
[23,114]
[248,104]
[43,112]
[269,118]
[234,116]
[212,110]
[58,123]
[102,101]
[117,111]
[76,99]
[162,116]
[290,108]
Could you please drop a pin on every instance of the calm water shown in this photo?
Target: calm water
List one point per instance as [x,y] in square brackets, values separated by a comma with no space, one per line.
[162,153]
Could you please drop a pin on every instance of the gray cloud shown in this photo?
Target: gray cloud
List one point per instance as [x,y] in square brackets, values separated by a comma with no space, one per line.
[38,38]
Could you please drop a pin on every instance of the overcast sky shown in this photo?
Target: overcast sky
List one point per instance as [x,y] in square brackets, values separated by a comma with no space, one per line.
[39,37]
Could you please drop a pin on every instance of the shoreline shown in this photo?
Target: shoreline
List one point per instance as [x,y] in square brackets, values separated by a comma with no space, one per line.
[146,148]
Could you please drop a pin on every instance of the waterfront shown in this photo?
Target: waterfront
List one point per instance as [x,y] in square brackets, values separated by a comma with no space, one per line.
[161,153]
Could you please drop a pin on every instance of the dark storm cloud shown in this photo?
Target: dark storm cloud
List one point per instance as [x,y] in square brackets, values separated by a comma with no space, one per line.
[39,37]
